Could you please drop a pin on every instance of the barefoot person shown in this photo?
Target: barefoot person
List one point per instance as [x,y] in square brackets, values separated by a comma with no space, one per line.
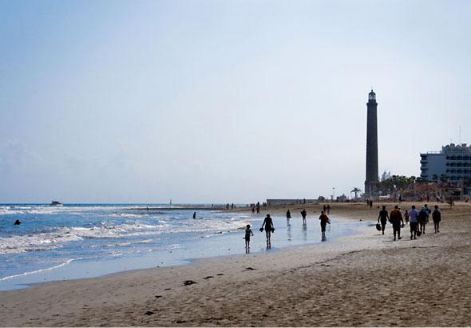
[423,219]
[436,217]
[248,233]
[269,228]
[413,221]
[303,214]
[384,217]
[324,221]
[396,220]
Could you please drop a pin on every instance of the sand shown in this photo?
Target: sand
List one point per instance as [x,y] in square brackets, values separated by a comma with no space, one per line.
[363,280]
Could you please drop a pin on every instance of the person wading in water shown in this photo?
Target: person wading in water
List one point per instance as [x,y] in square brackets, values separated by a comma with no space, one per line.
[324,221]
[269,228]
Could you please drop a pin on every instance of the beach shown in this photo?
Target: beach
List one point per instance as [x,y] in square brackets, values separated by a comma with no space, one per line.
[360,280]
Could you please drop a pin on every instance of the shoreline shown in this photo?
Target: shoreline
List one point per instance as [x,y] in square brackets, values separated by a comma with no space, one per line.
[218,245]
[341,283]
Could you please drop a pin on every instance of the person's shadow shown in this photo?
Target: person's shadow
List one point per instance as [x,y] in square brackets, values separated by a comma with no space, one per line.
[304,231]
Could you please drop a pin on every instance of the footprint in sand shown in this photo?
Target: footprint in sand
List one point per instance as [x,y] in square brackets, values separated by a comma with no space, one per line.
[149,313]
[189,282]
[249,269]
[208,277]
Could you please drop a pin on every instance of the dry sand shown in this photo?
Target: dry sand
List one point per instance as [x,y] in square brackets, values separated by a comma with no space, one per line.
[364,280]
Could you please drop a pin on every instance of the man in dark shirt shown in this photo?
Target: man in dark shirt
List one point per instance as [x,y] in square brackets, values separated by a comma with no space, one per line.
[324,220]
[269,228]
[303,214]
[396,220]
[437,217]
[383,216]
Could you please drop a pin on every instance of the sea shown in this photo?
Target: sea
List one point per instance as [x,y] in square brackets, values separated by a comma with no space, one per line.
[76,241]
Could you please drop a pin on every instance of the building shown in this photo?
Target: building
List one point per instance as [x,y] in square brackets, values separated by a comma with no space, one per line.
[452,164]
[371,182]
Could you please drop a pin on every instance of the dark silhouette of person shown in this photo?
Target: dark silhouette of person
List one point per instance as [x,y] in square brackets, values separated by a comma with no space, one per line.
[253,209]
[396,220]
[413,222]
[288,214]
[248,233]
[17,222]
[383,216]
[258,207]
[194,215]
[406,216]
[436,217]
[324,221]
[303,214]
[269,228]
[328,208]
[423,218]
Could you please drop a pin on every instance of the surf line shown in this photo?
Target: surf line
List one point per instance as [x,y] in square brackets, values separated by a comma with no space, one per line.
[38,271]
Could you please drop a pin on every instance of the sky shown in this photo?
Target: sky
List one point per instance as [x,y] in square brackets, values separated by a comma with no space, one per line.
[204,101]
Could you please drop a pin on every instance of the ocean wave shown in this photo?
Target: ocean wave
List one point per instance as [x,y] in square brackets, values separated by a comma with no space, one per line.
[37,271]
[50,239]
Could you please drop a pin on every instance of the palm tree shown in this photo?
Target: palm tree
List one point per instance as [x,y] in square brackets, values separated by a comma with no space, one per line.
[356,191]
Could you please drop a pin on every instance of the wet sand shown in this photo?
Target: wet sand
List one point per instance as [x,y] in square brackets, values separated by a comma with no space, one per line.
[363,280]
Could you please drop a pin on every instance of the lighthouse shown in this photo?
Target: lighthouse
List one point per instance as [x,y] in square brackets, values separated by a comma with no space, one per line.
[371,181]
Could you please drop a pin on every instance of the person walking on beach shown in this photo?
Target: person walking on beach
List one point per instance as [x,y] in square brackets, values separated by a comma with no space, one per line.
[324,221]
[288,215]
[396,220]
[384,217]
[194,215]
[406,216]
[258,207]
[248,233]
[269,228]
[436,217]
[413,221]
[423,219]
[303,214]
[328,208]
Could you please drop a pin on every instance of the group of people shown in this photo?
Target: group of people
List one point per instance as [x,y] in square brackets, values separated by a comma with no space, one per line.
[269,227]
[417,220]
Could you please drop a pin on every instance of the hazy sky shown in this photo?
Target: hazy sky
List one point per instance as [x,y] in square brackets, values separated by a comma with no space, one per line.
[223,101]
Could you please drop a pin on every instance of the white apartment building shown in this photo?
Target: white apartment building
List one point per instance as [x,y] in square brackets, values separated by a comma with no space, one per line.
[452,163]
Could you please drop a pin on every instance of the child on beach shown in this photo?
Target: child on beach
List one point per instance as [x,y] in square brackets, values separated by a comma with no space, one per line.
[406,216]
[248,233]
